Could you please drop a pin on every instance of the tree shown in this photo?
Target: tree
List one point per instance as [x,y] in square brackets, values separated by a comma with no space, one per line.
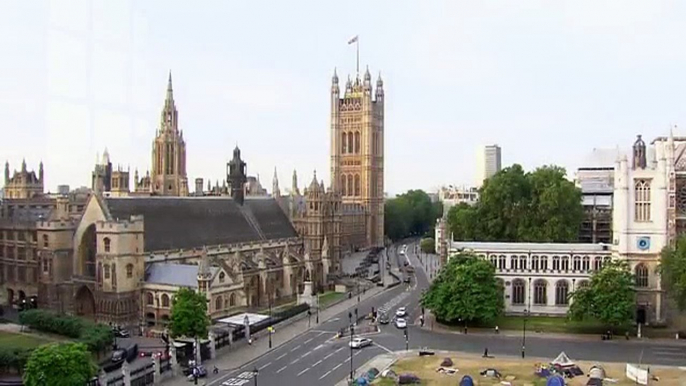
[673,272]
[610,297]
[189,314]
[63,364]
[428,245]
[467,290]
[410,214]
[514,206]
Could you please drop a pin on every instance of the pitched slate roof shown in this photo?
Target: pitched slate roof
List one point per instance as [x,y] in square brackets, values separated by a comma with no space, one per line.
[182,275]
[190,222]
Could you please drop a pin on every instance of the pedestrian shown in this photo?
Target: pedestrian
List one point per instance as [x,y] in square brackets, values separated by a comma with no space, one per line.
[497,331]
[250,341]
[486,352]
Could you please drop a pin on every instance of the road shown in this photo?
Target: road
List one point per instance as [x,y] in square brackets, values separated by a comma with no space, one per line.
[317,357]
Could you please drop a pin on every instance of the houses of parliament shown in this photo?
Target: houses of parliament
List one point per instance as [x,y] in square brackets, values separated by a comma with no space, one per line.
[119,250]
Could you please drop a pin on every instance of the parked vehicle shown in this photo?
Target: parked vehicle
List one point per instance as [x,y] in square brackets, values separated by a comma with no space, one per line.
[401,312]
[360,342]
[401,323]
[120,332]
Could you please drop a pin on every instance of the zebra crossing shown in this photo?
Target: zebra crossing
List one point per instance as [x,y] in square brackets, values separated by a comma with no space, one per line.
[388,307]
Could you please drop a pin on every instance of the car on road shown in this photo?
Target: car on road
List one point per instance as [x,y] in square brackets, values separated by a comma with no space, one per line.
[401,323]
[400,312]
[360,342]
[384,319]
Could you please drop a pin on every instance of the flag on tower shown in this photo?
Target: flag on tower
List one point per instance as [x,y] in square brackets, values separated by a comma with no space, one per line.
[353,40]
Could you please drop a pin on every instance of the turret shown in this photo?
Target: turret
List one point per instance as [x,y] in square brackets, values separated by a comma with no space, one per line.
[23,165]
[276,192]
[237,177]
[639,153]
[204,272]
[294,184]
[7,173]
[379,89]
[40,171]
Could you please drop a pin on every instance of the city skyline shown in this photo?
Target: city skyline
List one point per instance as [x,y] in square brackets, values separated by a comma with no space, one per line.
[88,75]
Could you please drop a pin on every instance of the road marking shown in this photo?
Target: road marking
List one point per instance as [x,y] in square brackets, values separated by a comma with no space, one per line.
[383,348]
[265,366]
[337,366]
[281,369]
[283,355]
[295,348]
[305,354]
[325,374]
[304,371]
[329,356]
[308,341]
[295,361]
[316,363]
[318,347]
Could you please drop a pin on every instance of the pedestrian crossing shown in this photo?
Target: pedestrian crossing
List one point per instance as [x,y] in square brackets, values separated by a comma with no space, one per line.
[388,307]
[670,353]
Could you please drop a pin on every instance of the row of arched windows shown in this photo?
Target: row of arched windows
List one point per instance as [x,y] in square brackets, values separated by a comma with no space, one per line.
[108,271]
[350,185]
[540,294]
[540,263]
[220,303]
[350,143]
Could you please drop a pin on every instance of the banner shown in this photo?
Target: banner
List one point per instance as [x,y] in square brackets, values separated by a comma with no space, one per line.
[637,374]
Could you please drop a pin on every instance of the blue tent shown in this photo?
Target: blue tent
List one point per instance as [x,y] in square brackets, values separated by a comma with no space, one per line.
[555,381]
[467,381]
[362,381]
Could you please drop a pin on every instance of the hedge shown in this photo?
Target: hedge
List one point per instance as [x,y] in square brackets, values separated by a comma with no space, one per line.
[13,358]
[97,337]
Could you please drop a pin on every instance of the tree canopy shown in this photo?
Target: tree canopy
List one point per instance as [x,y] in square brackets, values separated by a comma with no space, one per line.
[63,364]
[410,214]
[514,206]
[673,272]
[466,289]
[609,298]
[428,245]
[189,314]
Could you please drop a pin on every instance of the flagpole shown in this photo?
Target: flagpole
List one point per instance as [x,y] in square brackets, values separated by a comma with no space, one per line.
[357,44]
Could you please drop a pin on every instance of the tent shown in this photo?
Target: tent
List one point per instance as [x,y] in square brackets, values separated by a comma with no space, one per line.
[555,381]
[467,381]
[563,361]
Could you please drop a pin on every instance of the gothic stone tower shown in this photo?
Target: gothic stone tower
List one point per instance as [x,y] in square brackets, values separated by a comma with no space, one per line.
[357,150]
[169,152]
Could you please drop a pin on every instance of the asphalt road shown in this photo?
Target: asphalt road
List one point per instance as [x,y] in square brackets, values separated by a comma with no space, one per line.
[316,357]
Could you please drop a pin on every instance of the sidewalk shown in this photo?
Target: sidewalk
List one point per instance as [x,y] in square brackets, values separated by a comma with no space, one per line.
[240,353]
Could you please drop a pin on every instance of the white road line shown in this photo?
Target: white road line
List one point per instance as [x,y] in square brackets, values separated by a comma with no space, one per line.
[325,374]
[283,355]
[316,363]
[318,347]
[383,348]
[295,361]
[308,341]
[304,371]
[337,366]
[329,356]
[347,359]
[265,366]
[295,348]
[304,355]
[281,369]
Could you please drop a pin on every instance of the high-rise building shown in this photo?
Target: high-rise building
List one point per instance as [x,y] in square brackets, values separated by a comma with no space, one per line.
[489,162]
[357,157]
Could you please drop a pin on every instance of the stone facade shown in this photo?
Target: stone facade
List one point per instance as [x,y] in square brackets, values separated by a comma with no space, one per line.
[23,184]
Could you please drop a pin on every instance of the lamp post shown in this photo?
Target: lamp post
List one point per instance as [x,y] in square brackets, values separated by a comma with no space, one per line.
[407,340]
[269,330]
[317,307]
[255,371]
[526,315]
[352,332]
[358,291]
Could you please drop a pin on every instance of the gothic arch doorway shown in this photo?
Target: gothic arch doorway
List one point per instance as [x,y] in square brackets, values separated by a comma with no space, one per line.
[87,251]
[84,302]
[641,315]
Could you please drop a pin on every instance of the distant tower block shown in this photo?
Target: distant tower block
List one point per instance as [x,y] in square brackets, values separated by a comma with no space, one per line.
[199,183]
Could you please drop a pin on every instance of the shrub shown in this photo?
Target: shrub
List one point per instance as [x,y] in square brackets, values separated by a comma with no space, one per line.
[97,337]
[13,358]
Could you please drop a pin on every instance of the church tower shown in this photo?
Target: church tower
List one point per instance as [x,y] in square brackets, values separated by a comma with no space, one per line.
[357,151]
[169,152]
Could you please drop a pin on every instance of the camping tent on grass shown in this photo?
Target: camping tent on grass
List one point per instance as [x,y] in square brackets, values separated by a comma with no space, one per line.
[563,361]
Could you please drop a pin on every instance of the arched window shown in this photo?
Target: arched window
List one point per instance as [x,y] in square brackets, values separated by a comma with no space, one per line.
[357,185]
[597,263]
[556,263]
[106,243]
[501,261]
[357,142]
[577,263]
[540,292]
[232,300]
[641,273]
[149,299]
[222,276]
[561,293]
[522,262]
[586,265]
[344,143]
[350,143]
[129,271]
[518,291]
[565,263]
[165,300]
[544,263]
[45,241]
[350,184]
[106,268]
[494,260]
[218,303]
[513,262]
[343,185]
[642,200]
[534,262]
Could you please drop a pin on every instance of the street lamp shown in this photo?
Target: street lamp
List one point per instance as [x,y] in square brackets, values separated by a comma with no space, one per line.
[358,291]
[317,307]
[352,332]
[526,315]
[255,371]
[407,340]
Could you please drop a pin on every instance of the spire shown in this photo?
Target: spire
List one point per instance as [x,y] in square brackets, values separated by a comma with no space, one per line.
[294,183]
[40,171]
[367,75]
[170,89]
[334,79]
[23,165]
[7,172]
[276,192]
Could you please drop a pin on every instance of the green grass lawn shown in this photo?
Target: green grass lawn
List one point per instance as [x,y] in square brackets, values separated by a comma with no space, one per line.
[10,339]
[328,298]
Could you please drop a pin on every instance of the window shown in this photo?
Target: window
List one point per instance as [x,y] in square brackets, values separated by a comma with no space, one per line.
[501,261]
[641,273]
[494,260]
[350,185]
[165,300]
[106,242]
[129,271]
[544,263]
[522,262]
[513,262]
[357,142]
[357,185]
[586,263]
[222,276]
[561,293]
[583,284]
[642,201]
[556,263]
[565,263]
[106,268]
[232,300]
[577,263]
[518,291]
[540,292]
[45,241]
[149,299]
[597,263]
[343,190]
[218,303]
[534,263]
[351,149]
[344,143]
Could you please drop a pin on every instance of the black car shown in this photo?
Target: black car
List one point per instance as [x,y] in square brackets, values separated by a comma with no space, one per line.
[384,319]
[120,332]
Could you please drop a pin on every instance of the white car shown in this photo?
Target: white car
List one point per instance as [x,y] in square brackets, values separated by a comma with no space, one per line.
[400,312]
[360,342]
[400,323]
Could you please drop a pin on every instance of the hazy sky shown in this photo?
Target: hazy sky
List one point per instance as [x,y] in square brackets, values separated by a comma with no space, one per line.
[546,80]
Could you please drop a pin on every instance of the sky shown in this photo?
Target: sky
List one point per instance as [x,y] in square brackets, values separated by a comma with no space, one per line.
[547,81]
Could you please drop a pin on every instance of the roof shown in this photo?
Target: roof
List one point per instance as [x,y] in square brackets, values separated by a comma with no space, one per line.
[532,247]
[190,222]
[181,275]
[601,158]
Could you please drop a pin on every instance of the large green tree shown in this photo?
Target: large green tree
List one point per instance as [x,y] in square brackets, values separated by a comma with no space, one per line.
[189,314]
[673,272]
[609,298]
[515,206]
[410,214]
[467,290]
[63,364]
